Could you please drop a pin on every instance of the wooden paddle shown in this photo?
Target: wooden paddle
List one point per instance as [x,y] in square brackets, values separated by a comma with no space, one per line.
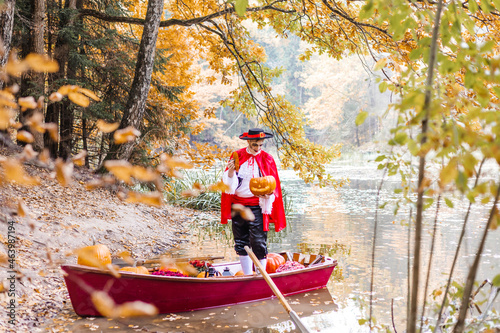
[151,261]
[158,260]
[295,318]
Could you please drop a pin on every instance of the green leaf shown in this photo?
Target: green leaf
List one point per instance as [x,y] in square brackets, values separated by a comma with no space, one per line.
[367,10]
[361,117]
[241,7]
[380,64]
[382,87]
[497,4]
[400,138]
[486,47]
[448,202]
[380,158]
[416,53]
[449,172]
[472,6]
[398,190]
[362,321]
[496,281]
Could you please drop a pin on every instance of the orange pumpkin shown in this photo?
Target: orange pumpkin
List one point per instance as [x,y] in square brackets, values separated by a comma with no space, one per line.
[201,274]
[94,256]
[274,261]
[262,185]
[137,270]
[240,273]
[236,161]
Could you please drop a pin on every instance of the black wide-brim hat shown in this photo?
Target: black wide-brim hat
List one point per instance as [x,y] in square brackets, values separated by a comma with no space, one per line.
[255,134]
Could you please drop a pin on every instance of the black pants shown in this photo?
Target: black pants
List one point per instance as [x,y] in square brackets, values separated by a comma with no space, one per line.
[250,233]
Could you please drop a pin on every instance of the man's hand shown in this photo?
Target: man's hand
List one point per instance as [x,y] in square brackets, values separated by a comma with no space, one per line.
[230,168]
[265,196]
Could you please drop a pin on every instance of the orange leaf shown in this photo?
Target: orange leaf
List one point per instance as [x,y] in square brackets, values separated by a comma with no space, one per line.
[124,135]
[21,208]
[53,131]
[27,103]
[79,159]
[245,212]
[13,171]
[136,309]
[89,93]
[28,152]
[143,174]
[41,63]
[190,193]
[103,303]
[6,116]
[36,122]
[14,67]
[79,99]
[7,99]
[107,127]
[120,169]
[25,136]
[220,186]
[64,171]
[64,90]
[44,157]
[56,97]
[151,199]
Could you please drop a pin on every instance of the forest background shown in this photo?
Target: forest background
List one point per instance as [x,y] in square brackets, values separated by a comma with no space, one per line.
[165,78]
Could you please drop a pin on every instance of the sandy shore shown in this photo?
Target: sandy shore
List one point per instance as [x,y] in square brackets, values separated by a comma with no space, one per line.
[60,219]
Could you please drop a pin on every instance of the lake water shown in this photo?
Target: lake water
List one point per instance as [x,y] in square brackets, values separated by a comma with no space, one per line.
[340,223]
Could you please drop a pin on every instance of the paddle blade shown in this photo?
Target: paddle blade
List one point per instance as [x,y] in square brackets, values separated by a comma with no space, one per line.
[298,323]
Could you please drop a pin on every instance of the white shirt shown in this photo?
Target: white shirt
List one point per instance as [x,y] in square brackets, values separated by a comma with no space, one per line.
[248,170]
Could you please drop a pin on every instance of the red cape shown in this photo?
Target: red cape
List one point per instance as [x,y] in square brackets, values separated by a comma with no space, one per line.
[267,167]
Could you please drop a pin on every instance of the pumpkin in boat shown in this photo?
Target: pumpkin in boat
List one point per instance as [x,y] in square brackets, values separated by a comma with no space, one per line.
[236,159]
[137,270]
[94,256]
[274,260]
[262,185]
[240,273]
[202,274]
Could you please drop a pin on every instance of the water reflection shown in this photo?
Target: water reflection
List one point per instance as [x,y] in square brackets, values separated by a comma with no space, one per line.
[340,223]
[254,317]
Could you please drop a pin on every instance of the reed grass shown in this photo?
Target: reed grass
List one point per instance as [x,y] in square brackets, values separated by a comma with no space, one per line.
[206,201]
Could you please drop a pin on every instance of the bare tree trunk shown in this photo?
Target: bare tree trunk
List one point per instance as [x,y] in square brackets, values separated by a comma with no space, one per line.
[6,26]
[471,277]
[136,103]
[411,325]
[84,140]
[67,116]
[38,46]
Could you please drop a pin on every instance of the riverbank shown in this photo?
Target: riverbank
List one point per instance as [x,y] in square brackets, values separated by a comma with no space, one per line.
[60,219]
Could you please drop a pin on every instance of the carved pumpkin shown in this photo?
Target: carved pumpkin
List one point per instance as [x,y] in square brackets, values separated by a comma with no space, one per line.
[262,185]
[94,256]
[137,270]
[236,161]
[274,261]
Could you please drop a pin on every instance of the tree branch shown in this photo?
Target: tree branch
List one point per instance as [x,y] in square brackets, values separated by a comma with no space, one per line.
[178,22]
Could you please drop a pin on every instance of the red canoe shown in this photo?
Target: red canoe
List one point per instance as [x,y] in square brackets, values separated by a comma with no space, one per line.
[178,294]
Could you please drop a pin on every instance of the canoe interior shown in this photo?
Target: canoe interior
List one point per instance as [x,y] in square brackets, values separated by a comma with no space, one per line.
[304,259]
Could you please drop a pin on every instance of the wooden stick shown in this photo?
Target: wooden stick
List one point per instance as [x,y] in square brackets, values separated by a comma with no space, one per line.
[295,318]
[185,259]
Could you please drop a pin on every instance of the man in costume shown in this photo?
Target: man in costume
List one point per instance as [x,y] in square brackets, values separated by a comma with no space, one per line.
[253,163]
